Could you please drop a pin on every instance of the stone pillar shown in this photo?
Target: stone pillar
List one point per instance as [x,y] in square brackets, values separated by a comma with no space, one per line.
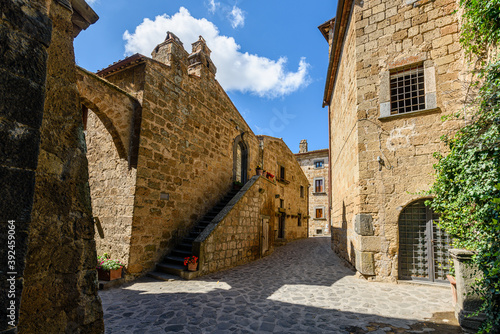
[303,146]
[467,302]
[25,34]
[367,244]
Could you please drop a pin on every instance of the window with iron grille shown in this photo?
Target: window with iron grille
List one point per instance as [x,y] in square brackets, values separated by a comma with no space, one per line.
[407,89]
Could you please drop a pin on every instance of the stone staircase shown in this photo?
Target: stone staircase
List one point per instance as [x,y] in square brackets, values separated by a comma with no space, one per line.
[173,263]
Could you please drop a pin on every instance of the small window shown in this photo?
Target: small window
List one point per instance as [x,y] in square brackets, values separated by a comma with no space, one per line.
[319,186]
[319,212]
[319,231]
[282,203]
[301,191]
[282,173]
[299,219]
[319,164]
[407,90]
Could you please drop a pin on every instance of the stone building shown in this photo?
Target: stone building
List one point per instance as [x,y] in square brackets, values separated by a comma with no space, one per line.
[45,194]
[315,166]
[165,146]
[395,68]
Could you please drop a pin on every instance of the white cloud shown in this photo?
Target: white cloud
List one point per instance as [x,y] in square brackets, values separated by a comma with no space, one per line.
[237,17]
[236,71]
[91,2]
[212,6]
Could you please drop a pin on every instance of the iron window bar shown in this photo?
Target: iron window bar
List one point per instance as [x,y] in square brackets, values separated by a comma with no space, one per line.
[407,89]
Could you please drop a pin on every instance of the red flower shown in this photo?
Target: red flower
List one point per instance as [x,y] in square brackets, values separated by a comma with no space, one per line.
[190,259]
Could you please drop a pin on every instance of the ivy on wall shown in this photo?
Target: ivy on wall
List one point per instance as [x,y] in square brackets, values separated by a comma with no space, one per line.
[467,185]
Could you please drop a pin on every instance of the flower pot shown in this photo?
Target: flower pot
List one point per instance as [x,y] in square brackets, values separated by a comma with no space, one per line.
[259,171]
[192,266]
[109,275]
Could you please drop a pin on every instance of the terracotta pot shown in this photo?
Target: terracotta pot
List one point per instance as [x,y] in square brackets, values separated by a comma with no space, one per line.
[192,266]
[259,171]
[105,275]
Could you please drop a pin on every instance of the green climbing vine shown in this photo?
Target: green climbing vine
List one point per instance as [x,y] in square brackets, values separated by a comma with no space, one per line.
[467,185]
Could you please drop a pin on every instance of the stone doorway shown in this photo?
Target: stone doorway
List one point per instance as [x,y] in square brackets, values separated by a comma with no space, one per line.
[423,246]
[265,235]
[240,156]
[281,226]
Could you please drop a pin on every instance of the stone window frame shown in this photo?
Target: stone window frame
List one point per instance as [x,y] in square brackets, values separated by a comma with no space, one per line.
[323,217]
[324,185]
[319,160]
[429,88]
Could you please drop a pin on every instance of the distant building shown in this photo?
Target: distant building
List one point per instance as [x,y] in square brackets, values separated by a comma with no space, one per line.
[315,166]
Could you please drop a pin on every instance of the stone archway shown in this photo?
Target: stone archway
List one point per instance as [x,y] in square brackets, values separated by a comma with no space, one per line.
[119,112]
[112,121]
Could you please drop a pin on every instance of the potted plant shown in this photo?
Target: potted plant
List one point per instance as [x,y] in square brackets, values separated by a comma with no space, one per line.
[108,269]
[269,176]
[191,262]
[258,170]
[237,185]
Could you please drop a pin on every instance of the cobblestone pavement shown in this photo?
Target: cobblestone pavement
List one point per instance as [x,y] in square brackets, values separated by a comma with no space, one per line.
[302,287]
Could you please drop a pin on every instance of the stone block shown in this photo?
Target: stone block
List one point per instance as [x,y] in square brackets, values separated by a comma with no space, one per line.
[19,145]
[15,105]
[364,263]
[369,243]
[16,194]
[363,224]
[431,100]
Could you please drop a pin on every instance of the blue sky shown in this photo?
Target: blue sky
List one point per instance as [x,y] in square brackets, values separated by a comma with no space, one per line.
[270,56]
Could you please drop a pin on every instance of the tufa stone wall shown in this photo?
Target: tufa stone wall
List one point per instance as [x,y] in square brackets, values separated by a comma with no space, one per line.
[112,185]
[394,152]
[60,293]
[25,34]
[344,161]
[316,199]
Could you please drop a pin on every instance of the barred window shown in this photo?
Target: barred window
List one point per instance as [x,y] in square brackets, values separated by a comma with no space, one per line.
[407,90]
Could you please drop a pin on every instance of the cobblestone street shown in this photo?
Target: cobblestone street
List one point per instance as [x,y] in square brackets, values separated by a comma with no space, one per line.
[302,287]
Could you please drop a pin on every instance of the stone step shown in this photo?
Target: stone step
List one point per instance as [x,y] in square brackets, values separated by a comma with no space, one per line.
[185,246]
[174,260]
[181,253]
[169,268]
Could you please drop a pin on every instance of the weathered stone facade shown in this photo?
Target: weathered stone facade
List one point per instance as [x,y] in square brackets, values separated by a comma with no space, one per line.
[191,144]
[25,36]
[315,166]
[58,265]
[380,161]
[60,292]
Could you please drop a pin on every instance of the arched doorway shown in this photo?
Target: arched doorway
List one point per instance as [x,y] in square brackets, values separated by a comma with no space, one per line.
[423,246]
[240,158]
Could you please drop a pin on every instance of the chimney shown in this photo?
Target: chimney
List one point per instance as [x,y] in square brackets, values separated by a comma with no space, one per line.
[303,146]
[199,59]
[170,50]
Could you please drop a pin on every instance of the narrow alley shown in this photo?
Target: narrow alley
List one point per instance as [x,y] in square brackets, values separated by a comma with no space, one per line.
[302,288]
